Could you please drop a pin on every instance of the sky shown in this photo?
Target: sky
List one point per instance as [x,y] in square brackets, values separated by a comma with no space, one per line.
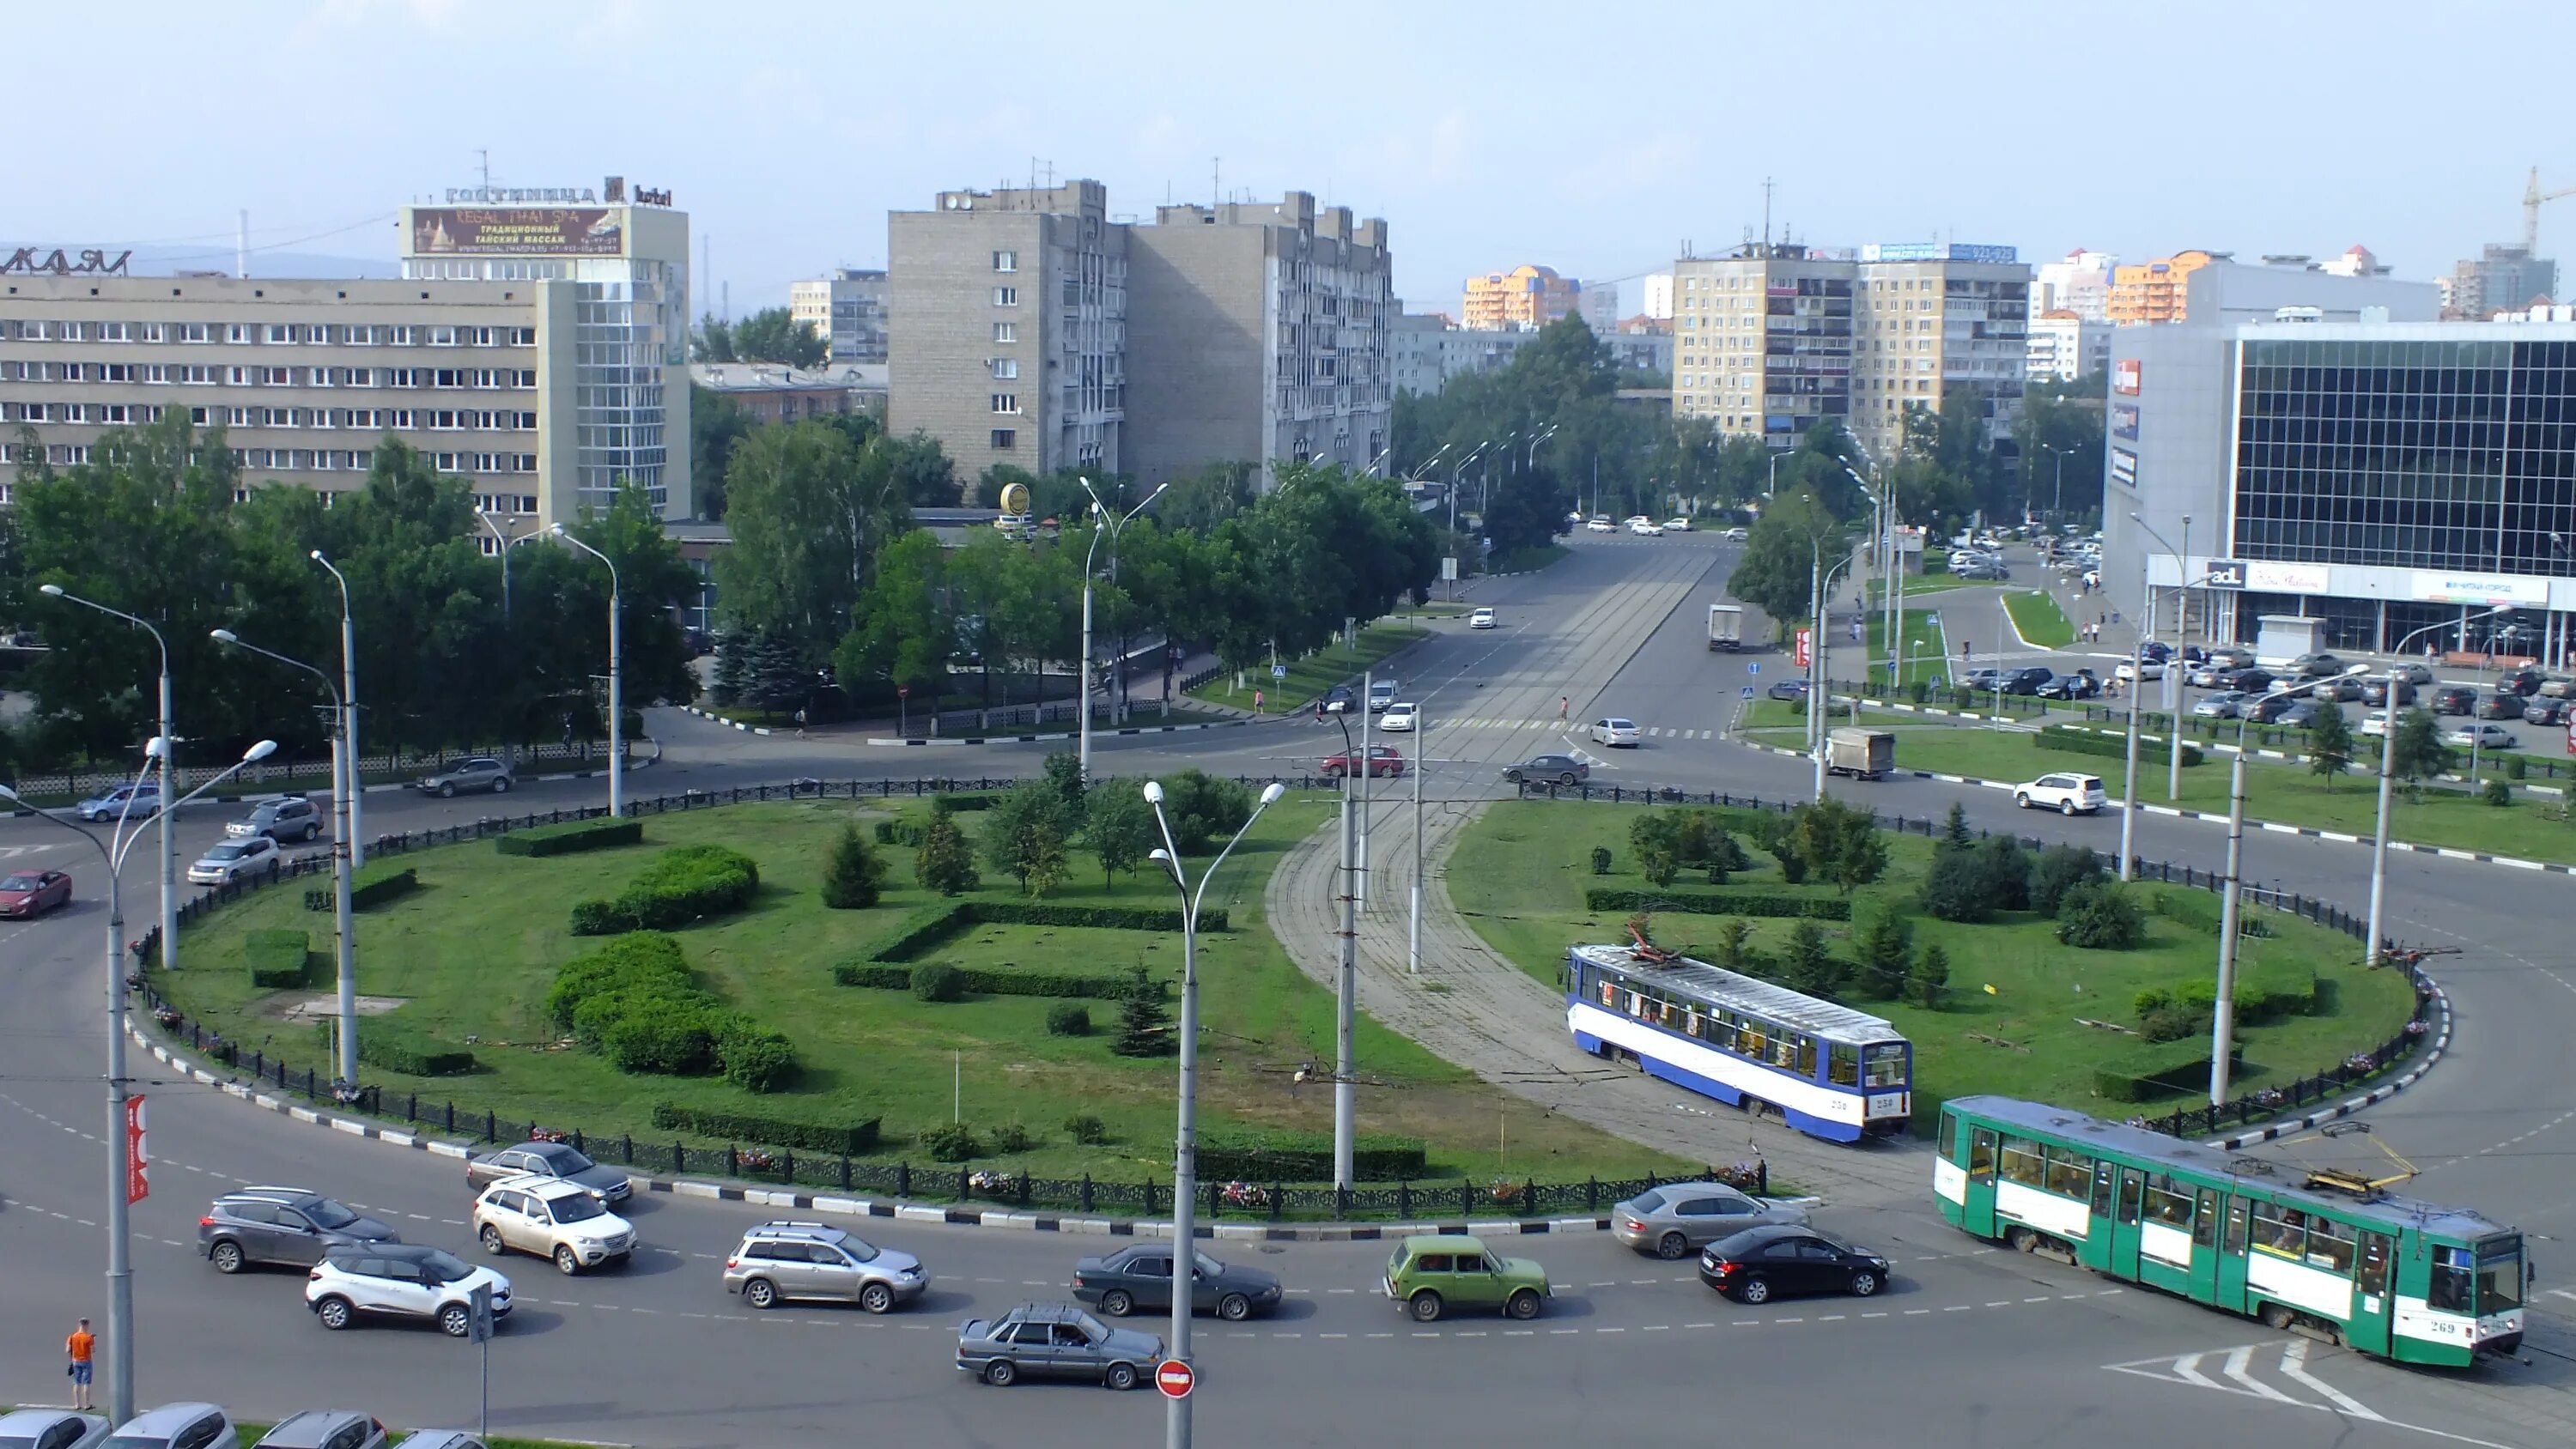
[1596,139]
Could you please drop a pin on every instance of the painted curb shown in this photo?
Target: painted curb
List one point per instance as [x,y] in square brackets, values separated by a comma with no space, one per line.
[952,1216]
[1057,738]
[2272,1131]
[2339,837]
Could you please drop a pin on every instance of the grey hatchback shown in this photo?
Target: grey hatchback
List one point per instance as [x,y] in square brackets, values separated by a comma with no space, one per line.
[1548,769]
[290,1225]
[1672,1220]
[1054,1340]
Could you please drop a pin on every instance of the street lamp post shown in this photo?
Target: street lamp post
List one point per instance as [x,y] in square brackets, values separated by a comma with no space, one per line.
[616,695]
[1185,1167]
[501,546]
[1102,520]
[169,853]
[349,715]
[1819,579]
[1346,979]
[2222,1028]
[120,1234]
[343,859]
[2375,942]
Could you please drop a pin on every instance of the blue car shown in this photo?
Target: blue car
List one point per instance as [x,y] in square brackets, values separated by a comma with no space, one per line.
[133,802]
[1790,689]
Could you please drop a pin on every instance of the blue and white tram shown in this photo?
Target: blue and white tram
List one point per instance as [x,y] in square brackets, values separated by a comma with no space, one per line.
[1831,1071]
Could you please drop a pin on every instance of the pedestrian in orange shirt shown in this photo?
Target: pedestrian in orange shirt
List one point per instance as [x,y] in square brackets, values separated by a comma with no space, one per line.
[80,1345]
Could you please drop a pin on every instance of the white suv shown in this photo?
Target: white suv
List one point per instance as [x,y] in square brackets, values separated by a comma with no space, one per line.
[402,1280]
[2065,794]
[551,1218]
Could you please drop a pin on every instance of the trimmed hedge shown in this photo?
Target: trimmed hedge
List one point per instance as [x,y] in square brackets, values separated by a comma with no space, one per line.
[638,960]
[634,1001]
[373,886]
[278,958]
[573,835]
[986,982]
[937,924]
[2115,747]
[2204,912]
[768,1131]
[2157,1071]
[400,1049]
[959,804]
[1266,1156]
[682,884]
[906,833]
[1719,903]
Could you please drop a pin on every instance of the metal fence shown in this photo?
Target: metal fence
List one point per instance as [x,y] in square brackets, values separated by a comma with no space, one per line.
[1276,1199]
[253,777]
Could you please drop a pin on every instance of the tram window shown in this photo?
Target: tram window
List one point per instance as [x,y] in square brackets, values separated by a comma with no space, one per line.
[1807,1057]
[2500,1275]
[1843,1062]
[1947,1140]
[1885,1065]
[2374,1263]
[1981,1154]
[2236,1227]
[2329,1245]
[2023,1162]
[2164,1205]
[2204,1223]
[2281,1231]
[1783,1051]
[2069,1173]
[2449,1290]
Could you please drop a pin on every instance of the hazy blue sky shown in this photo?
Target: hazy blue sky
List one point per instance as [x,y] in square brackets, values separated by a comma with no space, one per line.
[1594,138]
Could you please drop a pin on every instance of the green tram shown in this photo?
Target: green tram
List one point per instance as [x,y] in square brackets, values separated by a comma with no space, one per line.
[2385,1275]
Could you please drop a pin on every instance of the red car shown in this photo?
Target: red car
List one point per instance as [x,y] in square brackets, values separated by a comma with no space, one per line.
[1382,760]
[27,894]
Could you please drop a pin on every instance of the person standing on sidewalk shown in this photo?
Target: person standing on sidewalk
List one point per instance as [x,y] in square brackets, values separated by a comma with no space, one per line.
[1256,704]
[80,1346]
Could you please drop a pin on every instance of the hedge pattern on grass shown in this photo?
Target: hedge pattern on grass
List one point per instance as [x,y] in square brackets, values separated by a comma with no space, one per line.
[373,886]
[682,884]
[573,835]
[400,1049]
[2078,741]
[1719,903]
[935,925]
[984,982]
[278,958]
[2203,912]
[1268,1156]
[2157,1071]
[634,1001]
[851,1138]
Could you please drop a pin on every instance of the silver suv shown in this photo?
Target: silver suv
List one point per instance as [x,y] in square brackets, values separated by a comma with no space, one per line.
[325,1429]
[290,1225]
[294,818]
[474,772]
[783,1259]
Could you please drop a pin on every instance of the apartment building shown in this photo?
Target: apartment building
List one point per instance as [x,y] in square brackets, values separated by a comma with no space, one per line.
[1931,316]
[848,309]
[529,355]
[2157,290]
[1762,339]
[1659,297]
[2080,283]
[2500,279]
[1258,332]
[1525,296]
[2064,347]
[1006,323]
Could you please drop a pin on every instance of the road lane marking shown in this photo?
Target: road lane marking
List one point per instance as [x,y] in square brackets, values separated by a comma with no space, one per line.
[2294,1365]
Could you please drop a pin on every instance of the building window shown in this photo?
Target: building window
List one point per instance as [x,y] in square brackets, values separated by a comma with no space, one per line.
[1005,439]
[1006,402]
[1006,331]
[1006,261]
[1005,368]
[1006,296]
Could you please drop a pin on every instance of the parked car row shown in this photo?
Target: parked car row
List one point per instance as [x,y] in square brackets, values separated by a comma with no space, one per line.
[207,1426]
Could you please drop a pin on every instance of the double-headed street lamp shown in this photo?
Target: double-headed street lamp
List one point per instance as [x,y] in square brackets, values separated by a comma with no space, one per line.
[169,854]
[616,696]
[2222,1027]
[2173,744]
[1820,579]
[2058,505]
[348,711]
[2387,773]
[344,769]
[1346,980]
[120,1194]
[1102,521]
[1185,1166]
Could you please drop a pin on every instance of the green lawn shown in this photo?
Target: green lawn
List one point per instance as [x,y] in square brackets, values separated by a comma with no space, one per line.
[1926,649]
[2273,791]
[1520,872]
[2042,623]
[471,953]
[1309,677]
[1920,584]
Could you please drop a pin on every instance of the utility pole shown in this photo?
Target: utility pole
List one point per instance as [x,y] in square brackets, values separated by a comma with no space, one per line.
[1346,991]
[1413,921]
[1368,687]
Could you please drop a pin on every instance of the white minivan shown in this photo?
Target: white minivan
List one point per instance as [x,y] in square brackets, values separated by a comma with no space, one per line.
[1381,694]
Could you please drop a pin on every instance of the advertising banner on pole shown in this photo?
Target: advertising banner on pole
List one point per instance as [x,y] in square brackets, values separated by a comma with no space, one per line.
[137,1177]
[1805,654]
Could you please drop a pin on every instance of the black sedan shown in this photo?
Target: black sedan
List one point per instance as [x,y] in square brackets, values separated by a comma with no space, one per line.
[2289,713]
[1759,1263]
[2079,685]
[2500,705]
[1140,1277]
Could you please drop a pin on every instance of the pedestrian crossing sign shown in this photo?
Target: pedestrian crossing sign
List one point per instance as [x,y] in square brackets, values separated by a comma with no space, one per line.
[1748,691]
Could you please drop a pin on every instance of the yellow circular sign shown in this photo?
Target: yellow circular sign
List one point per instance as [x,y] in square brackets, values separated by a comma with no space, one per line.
[1015,498]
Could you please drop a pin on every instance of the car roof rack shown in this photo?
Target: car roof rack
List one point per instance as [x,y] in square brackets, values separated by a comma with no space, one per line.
[268,1189]
[796,1225]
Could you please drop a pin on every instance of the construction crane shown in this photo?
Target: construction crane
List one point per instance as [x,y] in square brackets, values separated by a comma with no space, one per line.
[2532,196]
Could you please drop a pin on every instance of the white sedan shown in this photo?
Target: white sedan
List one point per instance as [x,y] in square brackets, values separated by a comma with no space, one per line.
[1735,535]
[2375,723]
[2150,669]
[235,860]
[1397,720]
[2485,734]
[1617,733]
[1645,527]
[1481,619]
[1600,524]
[1677,525]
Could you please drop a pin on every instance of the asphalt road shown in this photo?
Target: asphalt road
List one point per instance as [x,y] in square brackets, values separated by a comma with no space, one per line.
[1967,1347]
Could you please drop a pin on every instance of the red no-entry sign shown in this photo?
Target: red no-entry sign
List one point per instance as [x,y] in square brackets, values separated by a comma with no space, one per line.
[1175,1379]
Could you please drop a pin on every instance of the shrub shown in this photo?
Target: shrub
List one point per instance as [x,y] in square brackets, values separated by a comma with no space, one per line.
[961,804]
[755,1058]
[1954,889]
[1068,1018]
[1204,809]
[2100,916]
[1086,1129]
[938,981]
[1144,1029]
[1275,1156]
[2076,740]
[853,875]
[899,832]
[644,1032]
[2203,911]
[1733,940]
[645,961]
[945,863]
[2514,767]
[2174,1023]
[2156,1071]
[2003,873]
[399,1049]
[1929,978]
[1024,836]
[573,835]
[1600,860]
[951,1142]
[767,1129]
[278,959]
[885,978]
[2059,869]
[1772,904]
[682,884]
[2151,1000]
[1011,1137]
[373,886]
[2266,989]
[2497,792]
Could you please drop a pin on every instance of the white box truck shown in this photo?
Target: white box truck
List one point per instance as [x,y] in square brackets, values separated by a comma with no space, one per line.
[1859,753]
[1726,627]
